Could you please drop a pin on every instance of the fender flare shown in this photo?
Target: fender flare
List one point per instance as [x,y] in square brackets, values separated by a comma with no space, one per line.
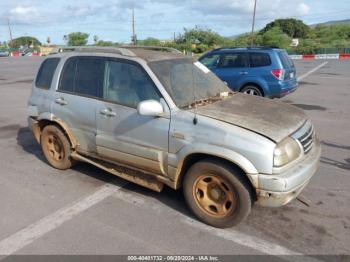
[52,118]
[218,152]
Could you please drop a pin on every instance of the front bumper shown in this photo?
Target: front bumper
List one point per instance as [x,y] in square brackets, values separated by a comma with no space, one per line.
[279,189]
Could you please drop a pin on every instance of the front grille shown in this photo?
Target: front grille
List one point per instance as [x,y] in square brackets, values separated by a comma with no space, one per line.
[306,137]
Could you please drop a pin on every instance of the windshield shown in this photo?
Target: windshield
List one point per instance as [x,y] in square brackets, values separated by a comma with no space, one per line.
[187,81]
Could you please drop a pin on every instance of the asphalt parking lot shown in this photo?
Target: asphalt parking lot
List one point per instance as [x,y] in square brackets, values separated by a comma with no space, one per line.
[87,211]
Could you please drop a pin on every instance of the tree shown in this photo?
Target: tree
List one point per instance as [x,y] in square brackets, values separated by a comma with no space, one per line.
[150,41]
[276,38]
[24,41]
[77,39]
[203,39]
[292,27]
[105,43]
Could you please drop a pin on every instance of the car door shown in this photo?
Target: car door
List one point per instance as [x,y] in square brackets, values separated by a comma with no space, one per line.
[260,66]
[78,93]
[233,68]
[123,135]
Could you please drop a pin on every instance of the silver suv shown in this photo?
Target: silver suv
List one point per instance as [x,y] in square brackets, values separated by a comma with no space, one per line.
[158,117]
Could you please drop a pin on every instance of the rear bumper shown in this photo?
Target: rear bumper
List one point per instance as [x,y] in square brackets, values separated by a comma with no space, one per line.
[283,88]
[278,190]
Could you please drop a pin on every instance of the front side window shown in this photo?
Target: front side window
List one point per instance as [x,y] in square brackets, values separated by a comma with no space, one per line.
[234,60]
[210,61]
[128,84]
[259,59]
[46,72]
[83,76]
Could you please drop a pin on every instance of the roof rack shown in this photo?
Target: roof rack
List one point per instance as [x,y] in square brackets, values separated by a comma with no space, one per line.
[95,49]
[153,48]
[122,50]
[247,47]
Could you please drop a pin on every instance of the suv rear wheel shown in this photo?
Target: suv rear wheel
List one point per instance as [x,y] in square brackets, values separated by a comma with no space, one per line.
[56,147]
[251,90]
[217,194]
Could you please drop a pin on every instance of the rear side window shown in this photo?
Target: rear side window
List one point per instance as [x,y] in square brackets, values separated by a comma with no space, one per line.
[89,77]
[68,76]
[46,72]
[259,59]
[285,60]
[83,76]
[232,60]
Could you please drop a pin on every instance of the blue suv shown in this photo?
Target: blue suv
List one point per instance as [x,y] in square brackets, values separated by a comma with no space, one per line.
[259,71]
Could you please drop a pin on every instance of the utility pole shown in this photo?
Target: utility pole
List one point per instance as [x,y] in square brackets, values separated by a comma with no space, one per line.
[133,27]
[8,23]
[253,24]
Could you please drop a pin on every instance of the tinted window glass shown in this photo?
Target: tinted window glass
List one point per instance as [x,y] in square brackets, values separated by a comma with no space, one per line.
[68,75]
[259,59]
[285,60]
[210,61]
[128,84]
[46,72]
[84,76]
[89,76]
[234,60]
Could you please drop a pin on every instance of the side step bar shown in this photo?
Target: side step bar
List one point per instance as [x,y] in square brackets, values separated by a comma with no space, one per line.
[127,174]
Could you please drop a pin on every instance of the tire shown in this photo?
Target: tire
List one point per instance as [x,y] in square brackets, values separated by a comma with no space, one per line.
[217,193]
[252,90]
[56,147]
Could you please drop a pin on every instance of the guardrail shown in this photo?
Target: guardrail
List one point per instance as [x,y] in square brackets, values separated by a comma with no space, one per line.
[19,54]
[320,56]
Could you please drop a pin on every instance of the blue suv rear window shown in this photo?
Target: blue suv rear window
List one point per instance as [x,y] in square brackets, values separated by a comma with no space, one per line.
[46,72]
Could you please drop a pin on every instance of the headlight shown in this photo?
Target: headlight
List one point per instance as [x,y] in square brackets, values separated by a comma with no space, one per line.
[286,151]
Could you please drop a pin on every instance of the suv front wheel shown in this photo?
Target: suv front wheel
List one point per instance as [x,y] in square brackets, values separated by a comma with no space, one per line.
[217,194]
[56,147]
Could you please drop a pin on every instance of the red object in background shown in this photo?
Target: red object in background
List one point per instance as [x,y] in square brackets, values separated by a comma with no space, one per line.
[344,56]
[16,53]
[308,56]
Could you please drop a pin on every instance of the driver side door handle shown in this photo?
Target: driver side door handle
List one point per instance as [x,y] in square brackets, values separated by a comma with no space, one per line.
[61,101]
[108,112]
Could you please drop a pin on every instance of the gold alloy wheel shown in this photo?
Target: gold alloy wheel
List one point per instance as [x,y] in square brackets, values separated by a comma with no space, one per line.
[55,147]
[214,196]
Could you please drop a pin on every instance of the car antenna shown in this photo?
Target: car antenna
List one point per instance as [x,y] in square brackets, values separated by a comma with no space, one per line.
[195,119]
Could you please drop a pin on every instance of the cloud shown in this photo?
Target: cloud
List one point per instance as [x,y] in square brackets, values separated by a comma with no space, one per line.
[23,14]
[303,9]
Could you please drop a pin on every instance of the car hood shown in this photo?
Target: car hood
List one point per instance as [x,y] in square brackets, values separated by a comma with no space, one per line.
[273,119]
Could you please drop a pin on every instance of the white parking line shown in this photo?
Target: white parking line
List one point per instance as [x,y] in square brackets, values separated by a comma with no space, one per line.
[36,230]
[234,236]
[31,233]
[312,71]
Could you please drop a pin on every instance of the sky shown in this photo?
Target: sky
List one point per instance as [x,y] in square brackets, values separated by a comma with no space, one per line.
[111,20]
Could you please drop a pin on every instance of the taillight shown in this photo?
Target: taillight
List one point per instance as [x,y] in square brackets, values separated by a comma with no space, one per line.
[278,73]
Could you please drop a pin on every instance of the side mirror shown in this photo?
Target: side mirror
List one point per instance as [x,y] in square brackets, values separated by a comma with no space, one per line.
[150,108]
